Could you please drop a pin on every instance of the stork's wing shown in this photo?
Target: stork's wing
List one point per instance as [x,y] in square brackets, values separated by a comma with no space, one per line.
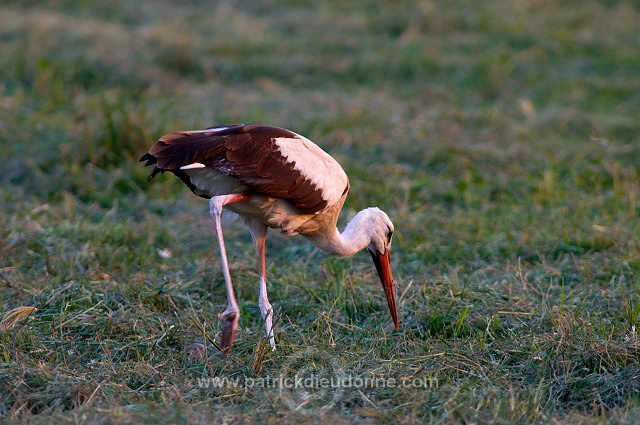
[269,160]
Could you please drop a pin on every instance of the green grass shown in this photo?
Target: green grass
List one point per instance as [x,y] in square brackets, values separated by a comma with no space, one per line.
[502,138]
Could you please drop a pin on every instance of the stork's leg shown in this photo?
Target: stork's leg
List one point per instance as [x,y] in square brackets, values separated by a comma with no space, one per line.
[259,233]
[232,313]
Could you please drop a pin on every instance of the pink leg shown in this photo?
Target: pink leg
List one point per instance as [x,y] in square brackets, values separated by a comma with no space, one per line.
[232,313]
[259,234]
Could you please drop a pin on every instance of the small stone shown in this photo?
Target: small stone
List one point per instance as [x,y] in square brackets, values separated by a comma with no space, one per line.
[195,351]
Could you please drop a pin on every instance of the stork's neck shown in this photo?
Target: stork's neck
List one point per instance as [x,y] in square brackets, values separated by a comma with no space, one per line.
[355,237]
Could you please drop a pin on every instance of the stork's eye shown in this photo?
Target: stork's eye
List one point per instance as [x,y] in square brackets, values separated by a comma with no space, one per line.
[389,236]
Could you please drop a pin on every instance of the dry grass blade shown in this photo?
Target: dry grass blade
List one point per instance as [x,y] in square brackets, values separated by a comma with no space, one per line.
[206,334]
[260,353]
[11,319]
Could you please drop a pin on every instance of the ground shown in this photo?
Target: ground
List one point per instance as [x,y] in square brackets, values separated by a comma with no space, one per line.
[501,137]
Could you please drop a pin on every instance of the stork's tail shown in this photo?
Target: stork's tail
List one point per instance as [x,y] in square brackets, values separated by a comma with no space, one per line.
[150,161]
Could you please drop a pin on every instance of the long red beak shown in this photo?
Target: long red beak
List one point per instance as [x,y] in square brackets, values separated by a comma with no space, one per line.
[383,266]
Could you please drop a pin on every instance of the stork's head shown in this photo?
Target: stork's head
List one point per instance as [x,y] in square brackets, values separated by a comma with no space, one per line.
[381,234]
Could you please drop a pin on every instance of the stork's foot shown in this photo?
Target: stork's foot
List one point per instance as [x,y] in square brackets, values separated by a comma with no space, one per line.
[230,318]
[267,316]
[268,325]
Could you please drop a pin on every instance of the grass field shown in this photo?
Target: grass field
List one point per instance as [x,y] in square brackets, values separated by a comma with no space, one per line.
[501,137]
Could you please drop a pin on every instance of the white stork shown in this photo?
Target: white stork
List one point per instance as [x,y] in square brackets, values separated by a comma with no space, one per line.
[272,177]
